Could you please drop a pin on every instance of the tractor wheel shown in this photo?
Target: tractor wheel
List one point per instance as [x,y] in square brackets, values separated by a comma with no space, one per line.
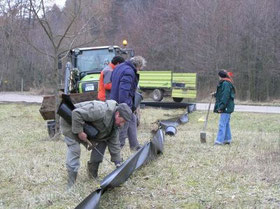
[175,99]
[157,95]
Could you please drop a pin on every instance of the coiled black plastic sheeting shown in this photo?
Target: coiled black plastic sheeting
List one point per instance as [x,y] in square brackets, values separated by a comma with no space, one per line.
[170,105]
[65,111]
[148,152]
[170,125]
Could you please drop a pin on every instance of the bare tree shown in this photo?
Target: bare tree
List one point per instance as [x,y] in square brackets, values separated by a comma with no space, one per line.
[55,38]
[187,36]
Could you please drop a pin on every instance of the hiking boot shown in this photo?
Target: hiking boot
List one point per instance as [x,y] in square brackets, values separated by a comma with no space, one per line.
[93,169]
[72,176]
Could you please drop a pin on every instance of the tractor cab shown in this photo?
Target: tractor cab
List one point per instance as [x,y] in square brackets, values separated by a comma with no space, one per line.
[83,71]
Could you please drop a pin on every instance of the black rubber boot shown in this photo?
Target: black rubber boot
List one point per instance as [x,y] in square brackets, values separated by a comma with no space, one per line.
[72,176]
[93,169]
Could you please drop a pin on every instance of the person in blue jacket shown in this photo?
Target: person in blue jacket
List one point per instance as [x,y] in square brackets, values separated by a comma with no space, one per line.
[225,106]
[124,84]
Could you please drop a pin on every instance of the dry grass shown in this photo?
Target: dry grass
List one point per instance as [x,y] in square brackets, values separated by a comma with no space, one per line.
[187,175]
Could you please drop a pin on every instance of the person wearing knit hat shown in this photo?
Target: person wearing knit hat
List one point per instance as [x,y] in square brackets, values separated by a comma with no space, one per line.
[106,117]
[224,105]
[124,111]
[223,74]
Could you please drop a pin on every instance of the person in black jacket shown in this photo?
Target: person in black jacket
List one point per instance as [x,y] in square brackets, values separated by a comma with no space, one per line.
[225,106]
[124,84]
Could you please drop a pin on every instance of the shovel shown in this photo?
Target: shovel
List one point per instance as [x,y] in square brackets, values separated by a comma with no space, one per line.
[203,132]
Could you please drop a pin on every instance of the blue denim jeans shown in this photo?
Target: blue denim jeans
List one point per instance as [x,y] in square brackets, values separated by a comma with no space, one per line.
[224,133]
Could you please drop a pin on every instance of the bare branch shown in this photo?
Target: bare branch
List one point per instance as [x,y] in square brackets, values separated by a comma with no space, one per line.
[48,33]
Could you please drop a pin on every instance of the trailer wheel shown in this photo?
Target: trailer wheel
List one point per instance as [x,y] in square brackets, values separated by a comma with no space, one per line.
[175,99]
[157,95]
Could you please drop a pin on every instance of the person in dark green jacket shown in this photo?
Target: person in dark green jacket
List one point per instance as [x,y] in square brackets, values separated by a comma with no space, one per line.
[225,106]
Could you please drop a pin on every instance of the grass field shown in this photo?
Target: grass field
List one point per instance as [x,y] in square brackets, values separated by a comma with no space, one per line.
[189,174]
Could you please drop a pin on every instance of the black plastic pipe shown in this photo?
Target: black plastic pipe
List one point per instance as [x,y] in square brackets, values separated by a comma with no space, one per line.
[65,111]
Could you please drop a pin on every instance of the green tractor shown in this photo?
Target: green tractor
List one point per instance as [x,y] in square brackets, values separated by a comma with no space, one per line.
[83,71]
[81,78]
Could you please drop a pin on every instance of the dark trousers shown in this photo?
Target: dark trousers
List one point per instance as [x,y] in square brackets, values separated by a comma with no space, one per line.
[95,156]
[129,130]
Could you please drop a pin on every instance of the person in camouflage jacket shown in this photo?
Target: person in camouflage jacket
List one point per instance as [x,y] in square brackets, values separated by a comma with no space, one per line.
[106,117]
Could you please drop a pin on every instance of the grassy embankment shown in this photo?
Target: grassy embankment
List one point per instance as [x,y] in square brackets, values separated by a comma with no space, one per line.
[187,175]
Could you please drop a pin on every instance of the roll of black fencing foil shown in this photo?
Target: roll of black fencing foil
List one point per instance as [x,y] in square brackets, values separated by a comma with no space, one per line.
[170,125]
[65,111]
[90,131]
[170,105]
[147,153]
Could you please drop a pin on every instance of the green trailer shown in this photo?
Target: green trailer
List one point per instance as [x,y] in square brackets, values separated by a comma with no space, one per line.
[166,83]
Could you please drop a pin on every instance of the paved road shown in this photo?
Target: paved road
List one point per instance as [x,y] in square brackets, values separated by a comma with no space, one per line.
[20,97]
[244,108]
[25,97]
